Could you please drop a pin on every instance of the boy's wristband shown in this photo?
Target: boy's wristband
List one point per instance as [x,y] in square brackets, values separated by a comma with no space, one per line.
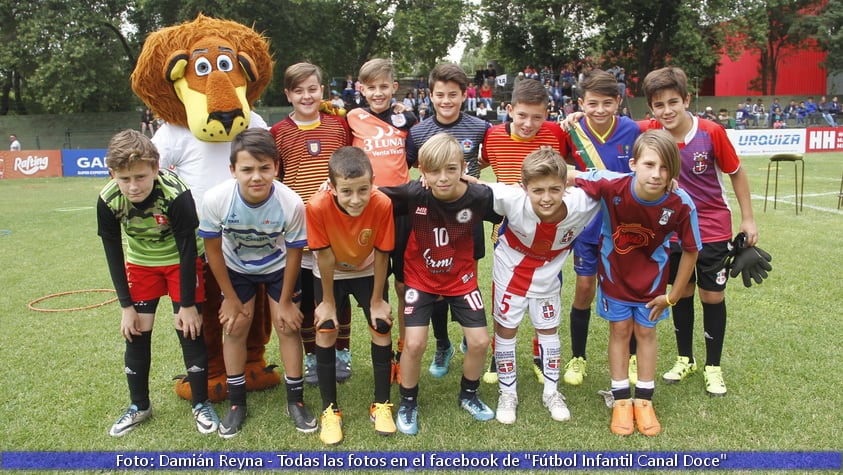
[667,299]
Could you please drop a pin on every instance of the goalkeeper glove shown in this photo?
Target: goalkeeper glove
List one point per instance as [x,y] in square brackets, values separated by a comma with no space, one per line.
[752,263]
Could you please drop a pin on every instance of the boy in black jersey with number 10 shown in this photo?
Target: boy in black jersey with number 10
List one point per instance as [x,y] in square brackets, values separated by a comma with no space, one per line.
[439,264]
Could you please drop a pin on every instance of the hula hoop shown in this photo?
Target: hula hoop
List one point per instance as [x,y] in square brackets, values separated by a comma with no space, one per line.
[32,306]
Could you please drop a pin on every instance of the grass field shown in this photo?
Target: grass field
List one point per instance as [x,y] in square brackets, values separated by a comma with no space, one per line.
[62,385]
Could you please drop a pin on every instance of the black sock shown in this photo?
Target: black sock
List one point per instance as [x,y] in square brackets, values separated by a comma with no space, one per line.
[468,388]
[326,370]
[295,389]
[714,324]
[579,330]
[647,394]
[196,363]
[409,396]
[137,359]
[622,393]
[236,389]
[683,324]
[439,322]
[382,369]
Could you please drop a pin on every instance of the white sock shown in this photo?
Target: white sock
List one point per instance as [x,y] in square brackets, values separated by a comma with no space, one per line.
[550,350]
[505,359]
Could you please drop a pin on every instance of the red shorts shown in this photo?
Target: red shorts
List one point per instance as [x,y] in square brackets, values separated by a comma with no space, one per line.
[148,283]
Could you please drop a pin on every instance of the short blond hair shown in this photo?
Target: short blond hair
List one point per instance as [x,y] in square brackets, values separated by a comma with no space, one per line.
[438,150]
[661,142]
[375,69]
[544,162]
[129,147]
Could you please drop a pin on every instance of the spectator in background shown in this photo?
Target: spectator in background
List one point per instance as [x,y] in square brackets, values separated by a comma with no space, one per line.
[801,114]
[759,113]
[790,111]
[503,115]
[709,114]
[776,115]
[471,98]
[482,111]
[147,122]
[741,116]
[14,143]
[348,89]
[357,101]
[424,100]
[625,112]
[724,119]
[530,72]
[812,111]
[410,102]
[421,85]
[486,95]
[824,109]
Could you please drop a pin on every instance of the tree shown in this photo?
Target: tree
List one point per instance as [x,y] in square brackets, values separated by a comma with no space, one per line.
[773,28]
[827,29]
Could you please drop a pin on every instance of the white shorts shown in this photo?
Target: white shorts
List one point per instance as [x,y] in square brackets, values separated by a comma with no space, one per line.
[509,309]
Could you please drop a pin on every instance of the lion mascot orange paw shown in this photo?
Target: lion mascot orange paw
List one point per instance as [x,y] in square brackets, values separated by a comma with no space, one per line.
[202,78]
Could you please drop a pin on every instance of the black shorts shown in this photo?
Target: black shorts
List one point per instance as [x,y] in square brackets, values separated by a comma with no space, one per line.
[361,288]
[710,272]
[246,285]
[466,309]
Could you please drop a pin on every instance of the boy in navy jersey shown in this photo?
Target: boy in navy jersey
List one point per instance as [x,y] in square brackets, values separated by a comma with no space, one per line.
[439,264]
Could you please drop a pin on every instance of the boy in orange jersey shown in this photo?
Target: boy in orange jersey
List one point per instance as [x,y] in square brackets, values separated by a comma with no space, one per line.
[305,140]
[382,134]
[351,233]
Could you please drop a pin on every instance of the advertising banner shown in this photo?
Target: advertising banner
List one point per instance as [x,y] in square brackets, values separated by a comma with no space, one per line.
[84,162]
[767,141]
[30,163]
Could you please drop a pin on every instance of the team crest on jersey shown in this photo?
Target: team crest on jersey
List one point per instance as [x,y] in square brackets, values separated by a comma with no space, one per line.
[411,296]
[364,237]
[567,237]
[314,147]
[464,216]
[160,219]
[467,145]
[399,120]
[629,237]
[700,162]
[665,217]
[548,312]
[421,211]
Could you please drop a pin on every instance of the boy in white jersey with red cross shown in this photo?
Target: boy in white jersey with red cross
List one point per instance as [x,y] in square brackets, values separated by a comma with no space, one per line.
[542,220]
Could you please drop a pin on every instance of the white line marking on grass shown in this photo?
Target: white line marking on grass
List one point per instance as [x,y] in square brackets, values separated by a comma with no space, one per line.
[783,199]
[74,208]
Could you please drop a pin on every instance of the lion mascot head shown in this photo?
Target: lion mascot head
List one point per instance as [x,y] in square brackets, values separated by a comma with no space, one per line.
[204,75]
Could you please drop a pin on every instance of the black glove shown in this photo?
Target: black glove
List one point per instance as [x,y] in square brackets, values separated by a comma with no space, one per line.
[752,263]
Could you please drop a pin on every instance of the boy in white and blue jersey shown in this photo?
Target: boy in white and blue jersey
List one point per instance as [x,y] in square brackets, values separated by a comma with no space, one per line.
[254,231]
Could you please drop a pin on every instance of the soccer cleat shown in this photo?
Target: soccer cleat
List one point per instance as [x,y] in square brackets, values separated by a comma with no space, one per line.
[477,408]
[232,422]
[555,403]
[302,418]
[645,418]
[714,384]
[575,371]
[491,374]
[622,417]
[343,365]
[132,417]
[507,404]
[633,370]
[331,433]
[206,417]
[381,415]
[537,369]
[408,419]
[441,361]
[310,376]
[683,367]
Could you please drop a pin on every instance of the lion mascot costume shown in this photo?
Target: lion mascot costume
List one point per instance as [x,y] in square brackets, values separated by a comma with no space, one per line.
[202,78]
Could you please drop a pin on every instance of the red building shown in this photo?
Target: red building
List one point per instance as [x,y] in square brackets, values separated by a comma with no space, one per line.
[799,74]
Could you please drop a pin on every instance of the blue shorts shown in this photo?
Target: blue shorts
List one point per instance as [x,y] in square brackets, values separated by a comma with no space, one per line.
[586,249]
[246,285]
[618,311]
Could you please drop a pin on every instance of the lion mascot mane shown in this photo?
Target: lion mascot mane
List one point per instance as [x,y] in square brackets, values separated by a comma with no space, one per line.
[203,77]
